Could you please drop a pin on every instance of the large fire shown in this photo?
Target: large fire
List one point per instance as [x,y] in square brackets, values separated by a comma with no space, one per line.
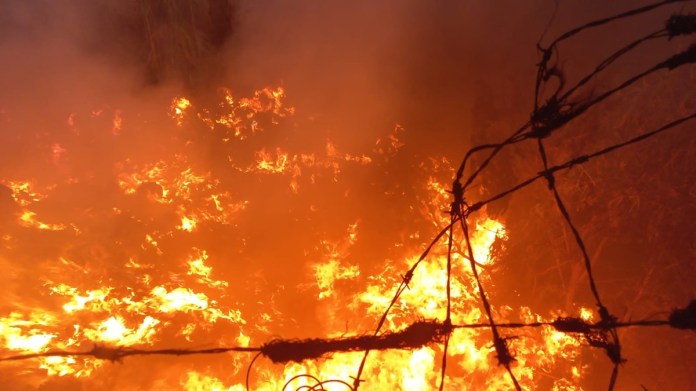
[160,288]
[198,237]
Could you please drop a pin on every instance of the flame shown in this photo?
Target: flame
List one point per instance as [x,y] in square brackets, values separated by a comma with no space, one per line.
[23,192]
[24,334]
[28,219]
[266,162]
[187,224]
[163,286]
[64,366]
[178,109]
[78,302]
[240,118]
[114,330]
[332,269]
[197,267]
[390,145]
[198,382]
[488,232]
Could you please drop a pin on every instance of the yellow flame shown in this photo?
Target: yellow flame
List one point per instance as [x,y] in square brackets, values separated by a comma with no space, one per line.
[198,268]
[178,109]
[327,273]
[240,117]
[114,330]
[198,382]
[20,333]
[28,219]
[185,296]
[187,224]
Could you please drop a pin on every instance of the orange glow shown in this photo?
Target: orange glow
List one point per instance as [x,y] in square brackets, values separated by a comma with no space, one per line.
[187,224]
[164,263]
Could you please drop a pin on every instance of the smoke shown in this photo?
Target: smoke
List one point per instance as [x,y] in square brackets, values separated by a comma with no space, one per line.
[359,67]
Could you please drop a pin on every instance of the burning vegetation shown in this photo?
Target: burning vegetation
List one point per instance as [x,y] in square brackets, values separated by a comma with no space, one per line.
[234,242]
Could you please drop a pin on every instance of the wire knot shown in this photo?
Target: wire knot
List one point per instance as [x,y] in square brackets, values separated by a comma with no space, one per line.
[680,25]
[686,57]
[406,278]
[684,318]
[547,118]
[548,175]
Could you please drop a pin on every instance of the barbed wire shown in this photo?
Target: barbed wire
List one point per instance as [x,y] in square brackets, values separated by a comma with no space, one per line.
[546,118]
[416,335]
[555,113]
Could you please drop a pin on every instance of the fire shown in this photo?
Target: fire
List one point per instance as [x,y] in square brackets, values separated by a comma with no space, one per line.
[114,330]
[25,195]
[78,302]
[187,224]
[18,333]
[22,192]
[267,162]
[28,219]
[239,118]
[178,109]
[165,281]
[179,299]
[283,163]
[68,366]
[197,267]
[332,269]
[488,232]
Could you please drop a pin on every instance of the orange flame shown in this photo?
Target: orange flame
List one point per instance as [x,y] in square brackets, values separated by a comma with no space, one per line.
[172,291]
